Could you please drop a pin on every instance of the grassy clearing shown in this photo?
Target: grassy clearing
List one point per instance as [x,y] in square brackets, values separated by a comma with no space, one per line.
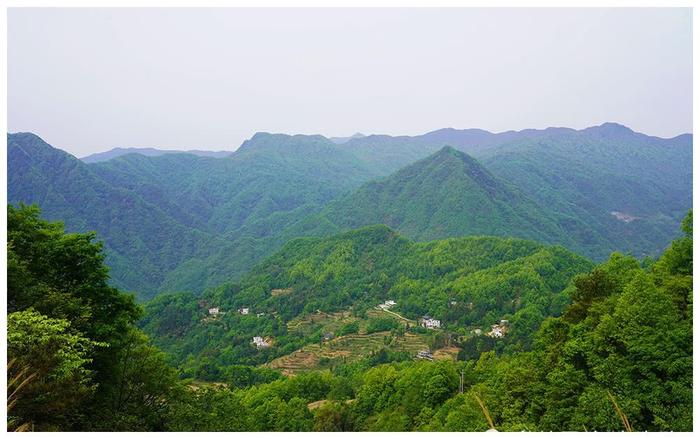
[307,324]
[281,292]
[446,353]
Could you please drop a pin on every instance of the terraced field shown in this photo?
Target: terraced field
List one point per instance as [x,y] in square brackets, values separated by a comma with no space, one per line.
[346,349]
[332,322]
[349,347]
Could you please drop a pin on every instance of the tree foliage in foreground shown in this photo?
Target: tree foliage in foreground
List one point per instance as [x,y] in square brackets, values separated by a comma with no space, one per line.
[621,349]
[74,335]
[625,342]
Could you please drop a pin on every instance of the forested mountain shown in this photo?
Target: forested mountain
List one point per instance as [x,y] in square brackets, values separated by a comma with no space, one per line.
[465,282]
[150,152]
[170,215]
[414,276]
[199,221]
[618,358]
[390,153]
[628,188]
[447,194]
[612,187]
[143,239]
[269,174]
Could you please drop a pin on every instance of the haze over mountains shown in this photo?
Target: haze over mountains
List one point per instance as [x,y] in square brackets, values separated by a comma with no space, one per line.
[184,221]
[340,140]
[150,152]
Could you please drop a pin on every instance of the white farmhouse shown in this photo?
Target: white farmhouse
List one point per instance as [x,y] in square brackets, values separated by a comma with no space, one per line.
[387,304]
[424,355]
[214,311]
[430,323]
[260,343]
[499,330]
[244,311]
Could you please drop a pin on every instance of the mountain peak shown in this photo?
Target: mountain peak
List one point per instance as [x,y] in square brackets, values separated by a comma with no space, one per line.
[32,145]
[27,139]
[452,131]
[610,129]
[341,140]
[614,126]
[263,140]
[448,193]
[25,136]
[448,153]
[447,149]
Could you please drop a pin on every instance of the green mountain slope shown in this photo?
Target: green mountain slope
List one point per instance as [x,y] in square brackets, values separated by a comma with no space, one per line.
[199,221]
[139,235]
[165,218]
[447,194]
[609,188]
[594,174]
[466,282]
[268,174]
[387,154]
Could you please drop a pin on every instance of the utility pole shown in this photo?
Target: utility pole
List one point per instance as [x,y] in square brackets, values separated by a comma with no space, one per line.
[461,381]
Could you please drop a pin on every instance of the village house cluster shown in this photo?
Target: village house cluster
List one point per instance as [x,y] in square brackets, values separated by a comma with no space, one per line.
[246,311]
[429,322]
[215,311]
[426,321]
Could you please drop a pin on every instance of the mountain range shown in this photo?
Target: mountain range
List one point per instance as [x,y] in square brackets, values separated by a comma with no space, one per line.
[446,194]
[150,152]
[182,221]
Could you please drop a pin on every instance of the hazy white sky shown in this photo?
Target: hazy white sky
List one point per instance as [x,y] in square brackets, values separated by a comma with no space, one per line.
[87,80]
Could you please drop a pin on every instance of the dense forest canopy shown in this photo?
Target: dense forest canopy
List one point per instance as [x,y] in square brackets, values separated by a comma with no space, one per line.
[77,361]
[444,195]
[183,222]
[619,357]
[459,280]
[467,283]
